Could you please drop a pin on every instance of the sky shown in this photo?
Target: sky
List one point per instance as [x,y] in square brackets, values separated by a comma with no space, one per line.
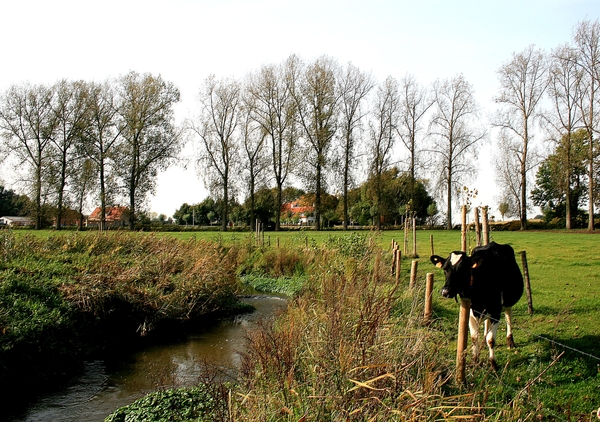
[185,41]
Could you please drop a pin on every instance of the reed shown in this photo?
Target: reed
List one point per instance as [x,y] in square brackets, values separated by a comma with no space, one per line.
[351,347]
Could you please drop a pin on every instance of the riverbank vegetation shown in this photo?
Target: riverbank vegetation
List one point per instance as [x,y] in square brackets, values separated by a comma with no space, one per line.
[74,296]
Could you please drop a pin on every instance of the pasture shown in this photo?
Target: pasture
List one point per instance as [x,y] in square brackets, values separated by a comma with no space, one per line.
[554,374]
[556,366]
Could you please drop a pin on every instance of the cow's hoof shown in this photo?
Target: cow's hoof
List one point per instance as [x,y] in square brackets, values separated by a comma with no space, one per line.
[510,342]
[493,365]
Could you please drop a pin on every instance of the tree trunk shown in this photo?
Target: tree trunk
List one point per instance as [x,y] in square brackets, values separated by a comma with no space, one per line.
[132,209]
[524,177]
[318,200]
[225,205]
[449,194]
[568,189]
[102,224]
[346,183]
[278,210]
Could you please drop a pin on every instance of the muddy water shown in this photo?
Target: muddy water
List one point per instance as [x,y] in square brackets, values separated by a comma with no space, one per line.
[105,386]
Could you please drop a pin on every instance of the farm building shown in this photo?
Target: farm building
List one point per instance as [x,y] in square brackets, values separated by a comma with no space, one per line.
[298,210]
[70,218]
[115,217]
[17,221]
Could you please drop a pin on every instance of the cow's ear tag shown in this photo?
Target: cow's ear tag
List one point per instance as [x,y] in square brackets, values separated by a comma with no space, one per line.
[475,265]
[439,265]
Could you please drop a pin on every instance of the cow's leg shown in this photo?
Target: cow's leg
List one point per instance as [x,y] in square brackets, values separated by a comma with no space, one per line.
[509,337]
[490,339]
[474,331]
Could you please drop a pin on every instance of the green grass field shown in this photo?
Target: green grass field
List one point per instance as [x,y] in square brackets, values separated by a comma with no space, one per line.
[555,370]
[564,271]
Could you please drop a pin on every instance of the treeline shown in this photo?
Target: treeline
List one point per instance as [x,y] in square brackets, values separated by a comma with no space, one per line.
[326,127]
[74,139]
[400,198]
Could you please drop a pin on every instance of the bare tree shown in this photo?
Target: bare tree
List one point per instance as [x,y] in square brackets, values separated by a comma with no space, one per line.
[383,130]
[255,161]
[275,112]
[82,184]
[217,129]
[314,91]
[523,81]
[354,87]
[101,137]
[70,111]
[151,141]
[587,44]
[455,134]
[415,102]
[564,90]
[506,160]
[27,123]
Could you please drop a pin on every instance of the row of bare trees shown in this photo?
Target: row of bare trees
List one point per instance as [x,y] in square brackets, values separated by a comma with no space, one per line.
[319,122]
[559,90]
[73,138]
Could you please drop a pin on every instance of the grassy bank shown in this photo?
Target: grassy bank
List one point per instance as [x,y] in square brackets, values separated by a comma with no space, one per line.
[353,346]
[65,297]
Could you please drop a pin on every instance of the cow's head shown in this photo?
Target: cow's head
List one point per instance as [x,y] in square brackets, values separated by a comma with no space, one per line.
[457,268]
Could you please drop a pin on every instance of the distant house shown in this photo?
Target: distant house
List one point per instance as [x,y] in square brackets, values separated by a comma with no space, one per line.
[69,218]
[298,210]
[115,217]
[17,221]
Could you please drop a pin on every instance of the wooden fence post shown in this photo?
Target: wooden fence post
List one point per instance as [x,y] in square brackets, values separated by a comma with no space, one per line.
[477,226]
[428,297]
[394,252]
[463,230]
[486,225]
[398,263]
[406,224]
[527,283]
[414,227]
[413,273]
[461,343]
[431,243]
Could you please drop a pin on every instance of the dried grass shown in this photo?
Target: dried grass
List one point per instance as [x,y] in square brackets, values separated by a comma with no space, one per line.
[344,351]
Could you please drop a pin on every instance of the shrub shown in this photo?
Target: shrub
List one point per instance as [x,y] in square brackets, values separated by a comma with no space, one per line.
[203,403]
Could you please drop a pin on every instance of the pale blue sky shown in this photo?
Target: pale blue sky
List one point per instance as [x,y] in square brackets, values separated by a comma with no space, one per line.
[186,40]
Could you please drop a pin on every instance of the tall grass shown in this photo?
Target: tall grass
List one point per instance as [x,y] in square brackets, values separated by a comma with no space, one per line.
[352,346]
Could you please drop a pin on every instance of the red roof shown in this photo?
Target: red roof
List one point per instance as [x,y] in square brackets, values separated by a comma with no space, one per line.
[112,213]
[296,208]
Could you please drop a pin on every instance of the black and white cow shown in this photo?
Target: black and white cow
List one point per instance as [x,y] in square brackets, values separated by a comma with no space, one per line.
[491,278]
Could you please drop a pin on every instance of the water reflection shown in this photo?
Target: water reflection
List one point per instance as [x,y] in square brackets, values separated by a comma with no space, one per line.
[105,386]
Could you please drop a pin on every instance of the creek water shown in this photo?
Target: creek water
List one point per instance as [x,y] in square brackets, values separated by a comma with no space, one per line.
[104,386]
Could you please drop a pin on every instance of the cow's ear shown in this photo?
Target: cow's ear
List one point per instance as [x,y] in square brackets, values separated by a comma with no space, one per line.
[437,260]
[476,261]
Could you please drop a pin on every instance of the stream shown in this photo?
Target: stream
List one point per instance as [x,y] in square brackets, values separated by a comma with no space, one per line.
[104,386]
